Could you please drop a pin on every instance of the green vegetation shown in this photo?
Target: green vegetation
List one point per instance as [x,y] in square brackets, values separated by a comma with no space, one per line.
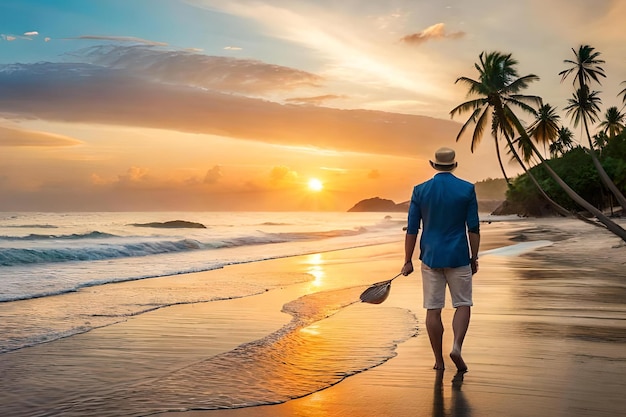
[580,177]
[577,168]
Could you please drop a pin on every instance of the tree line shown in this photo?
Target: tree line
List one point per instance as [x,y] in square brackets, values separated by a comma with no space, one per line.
[496,99]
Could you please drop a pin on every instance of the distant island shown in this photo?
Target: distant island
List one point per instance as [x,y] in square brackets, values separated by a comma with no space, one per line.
[173,224]
[379,204]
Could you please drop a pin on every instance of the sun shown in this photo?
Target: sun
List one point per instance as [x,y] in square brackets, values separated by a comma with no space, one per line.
[315,185]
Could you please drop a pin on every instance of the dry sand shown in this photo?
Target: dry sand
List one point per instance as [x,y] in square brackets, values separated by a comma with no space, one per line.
[547,338]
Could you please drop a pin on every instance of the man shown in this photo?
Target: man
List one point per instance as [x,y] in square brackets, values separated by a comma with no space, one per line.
[446,207]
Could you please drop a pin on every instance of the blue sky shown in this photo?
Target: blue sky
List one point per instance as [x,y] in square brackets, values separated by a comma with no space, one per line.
[212,104]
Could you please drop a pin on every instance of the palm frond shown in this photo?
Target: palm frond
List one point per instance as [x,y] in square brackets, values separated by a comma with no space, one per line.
[480,127]
[623,93]
[467,106]
[472,120]
[522,83]
[586,66]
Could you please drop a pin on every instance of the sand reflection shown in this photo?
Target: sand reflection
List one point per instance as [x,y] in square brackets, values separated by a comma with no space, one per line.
[458,405]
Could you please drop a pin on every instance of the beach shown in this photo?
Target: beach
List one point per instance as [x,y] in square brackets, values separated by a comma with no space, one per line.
[547,337]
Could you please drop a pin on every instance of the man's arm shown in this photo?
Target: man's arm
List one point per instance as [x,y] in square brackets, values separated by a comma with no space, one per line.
[474,241]
[409,247]
[412,229]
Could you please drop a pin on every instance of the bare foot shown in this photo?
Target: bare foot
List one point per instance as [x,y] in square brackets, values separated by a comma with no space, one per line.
[456,357]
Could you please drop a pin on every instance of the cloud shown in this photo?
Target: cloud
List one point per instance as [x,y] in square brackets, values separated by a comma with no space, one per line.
[213,175]
[317,100]
[28,36]
[130,39]
[82,93]
[132,176]
[232,48]
[282,174]
[189,68]
[436,31]
[10,136]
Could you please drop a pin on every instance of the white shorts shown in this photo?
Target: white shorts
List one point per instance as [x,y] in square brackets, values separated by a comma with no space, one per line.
[434,281]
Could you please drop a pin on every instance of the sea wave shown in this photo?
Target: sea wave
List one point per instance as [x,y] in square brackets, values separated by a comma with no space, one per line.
[103,246]
[292,362]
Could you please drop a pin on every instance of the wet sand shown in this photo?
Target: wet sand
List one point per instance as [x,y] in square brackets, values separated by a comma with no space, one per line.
[547,337]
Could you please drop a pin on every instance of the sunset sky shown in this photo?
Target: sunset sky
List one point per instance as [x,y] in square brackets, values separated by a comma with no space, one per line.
[239,104]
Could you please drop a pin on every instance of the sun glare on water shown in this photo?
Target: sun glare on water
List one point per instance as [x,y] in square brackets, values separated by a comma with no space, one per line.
[315,184]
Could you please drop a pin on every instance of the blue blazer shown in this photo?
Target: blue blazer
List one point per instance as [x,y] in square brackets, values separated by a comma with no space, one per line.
[447,208]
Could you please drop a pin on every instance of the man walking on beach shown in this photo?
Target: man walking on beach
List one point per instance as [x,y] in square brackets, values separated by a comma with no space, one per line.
[446,207]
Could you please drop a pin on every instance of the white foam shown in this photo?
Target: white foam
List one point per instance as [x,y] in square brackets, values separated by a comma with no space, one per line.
[517,249]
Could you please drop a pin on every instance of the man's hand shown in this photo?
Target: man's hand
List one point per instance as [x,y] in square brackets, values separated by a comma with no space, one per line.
[474,265]
[407,268]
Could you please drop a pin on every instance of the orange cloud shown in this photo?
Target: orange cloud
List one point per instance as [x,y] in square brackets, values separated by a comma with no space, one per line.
[10,136]
[282,174]
[133,175]
[436,31]
[317,100]
[213,175]
[53,92]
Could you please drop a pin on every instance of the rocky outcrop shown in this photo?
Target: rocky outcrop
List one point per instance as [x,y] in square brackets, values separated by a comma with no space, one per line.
[379,204]
[173,224]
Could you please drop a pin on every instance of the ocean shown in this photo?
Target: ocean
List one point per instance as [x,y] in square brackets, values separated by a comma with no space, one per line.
[64,275]
[47,254]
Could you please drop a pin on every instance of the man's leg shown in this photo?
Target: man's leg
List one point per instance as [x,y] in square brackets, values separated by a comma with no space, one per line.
[434,326]
[460,323]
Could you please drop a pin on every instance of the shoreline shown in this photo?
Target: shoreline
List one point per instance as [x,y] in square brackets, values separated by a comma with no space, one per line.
[558,308]
[508,352]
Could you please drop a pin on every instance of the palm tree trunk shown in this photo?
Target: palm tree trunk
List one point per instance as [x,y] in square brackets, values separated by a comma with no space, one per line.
[610,225]
[604,177]
[560,209]
[508,182]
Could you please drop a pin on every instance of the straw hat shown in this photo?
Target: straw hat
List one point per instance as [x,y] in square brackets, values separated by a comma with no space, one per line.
[444,160]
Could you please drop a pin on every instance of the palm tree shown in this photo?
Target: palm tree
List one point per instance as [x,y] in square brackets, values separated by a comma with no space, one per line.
[555,149]
[545,128]
[613,122]
[600,140]
[586,66]
[563,143]
[565,138]
[498,88]
[585,105]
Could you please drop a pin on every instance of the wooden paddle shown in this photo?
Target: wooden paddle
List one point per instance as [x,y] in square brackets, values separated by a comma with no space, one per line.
[377,293]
